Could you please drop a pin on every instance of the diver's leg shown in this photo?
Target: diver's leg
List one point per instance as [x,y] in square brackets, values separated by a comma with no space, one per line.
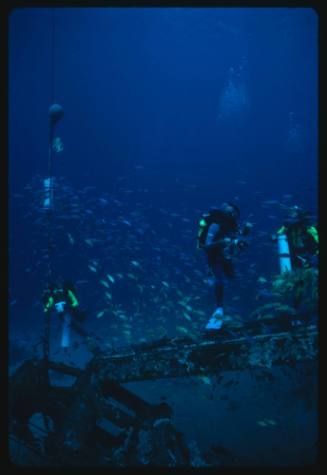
[215,322]
[217,271]
[228,267]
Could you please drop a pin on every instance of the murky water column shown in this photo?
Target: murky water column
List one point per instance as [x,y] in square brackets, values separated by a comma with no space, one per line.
[234,101]
[294,140]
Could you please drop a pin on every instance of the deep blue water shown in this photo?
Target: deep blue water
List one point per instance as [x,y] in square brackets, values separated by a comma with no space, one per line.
[167,112]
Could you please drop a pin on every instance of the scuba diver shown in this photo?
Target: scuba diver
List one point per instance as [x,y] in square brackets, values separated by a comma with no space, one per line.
[62,299]
[220,237]
[298,241]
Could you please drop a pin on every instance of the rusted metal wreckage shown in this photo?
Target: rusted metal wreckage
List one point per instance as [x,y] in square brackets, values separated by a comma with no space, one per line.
[94,420]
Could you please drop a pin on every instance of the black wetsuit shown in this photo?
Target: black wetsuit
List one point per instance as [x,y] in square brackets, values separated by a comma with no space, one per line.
[219,262]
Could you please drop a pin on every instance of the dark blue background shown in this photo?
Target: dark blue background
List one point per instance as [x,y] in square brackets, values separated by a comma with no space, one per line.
[141,90]
[142,87]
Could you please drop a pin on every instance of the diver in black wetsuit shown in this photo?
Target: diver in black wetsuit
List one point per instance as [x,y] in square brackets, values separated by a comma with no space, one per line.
[221,237]
[302,236]
[61,298]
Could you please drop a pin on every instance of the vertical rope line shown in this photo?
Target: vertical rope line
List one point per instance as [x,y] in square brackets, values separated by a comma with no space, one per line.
[49,211]
[52,55]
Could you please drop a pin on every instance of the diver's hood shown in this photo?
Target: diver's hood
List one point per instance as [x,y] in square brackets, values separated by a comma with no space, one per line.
[303,217]
[220,216]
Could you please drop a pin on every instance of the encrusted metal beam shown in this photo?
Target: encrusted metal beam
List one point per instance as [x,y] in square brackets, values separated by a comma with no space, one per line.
[184,357]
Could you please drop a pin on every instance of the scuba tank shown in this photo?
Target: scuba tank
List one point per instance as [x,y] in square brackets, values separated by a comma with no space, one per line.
[284,254]
[65,339]
[48,193]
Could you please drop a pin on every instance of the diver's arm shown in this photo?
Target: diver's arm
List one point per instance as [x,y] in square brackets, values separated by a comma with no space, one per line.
[312,240]
[48,304]
[210,243]
[72,299]
[212,232]
[281,230]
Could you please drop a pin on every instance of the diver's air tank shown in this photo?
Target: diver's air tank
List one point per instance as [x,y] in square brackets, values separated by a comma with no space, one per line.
[48,193]
[65,339]
[285,264]
[56,113]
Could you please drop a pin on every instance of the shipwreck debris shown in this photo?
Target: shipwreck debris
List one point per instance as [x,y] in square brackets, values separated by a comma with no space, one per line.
[71,425]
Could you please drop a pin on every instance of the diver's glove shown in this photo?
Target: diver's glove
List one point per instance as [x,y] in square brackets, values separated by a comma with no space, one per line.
[247,228]
[60,306]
